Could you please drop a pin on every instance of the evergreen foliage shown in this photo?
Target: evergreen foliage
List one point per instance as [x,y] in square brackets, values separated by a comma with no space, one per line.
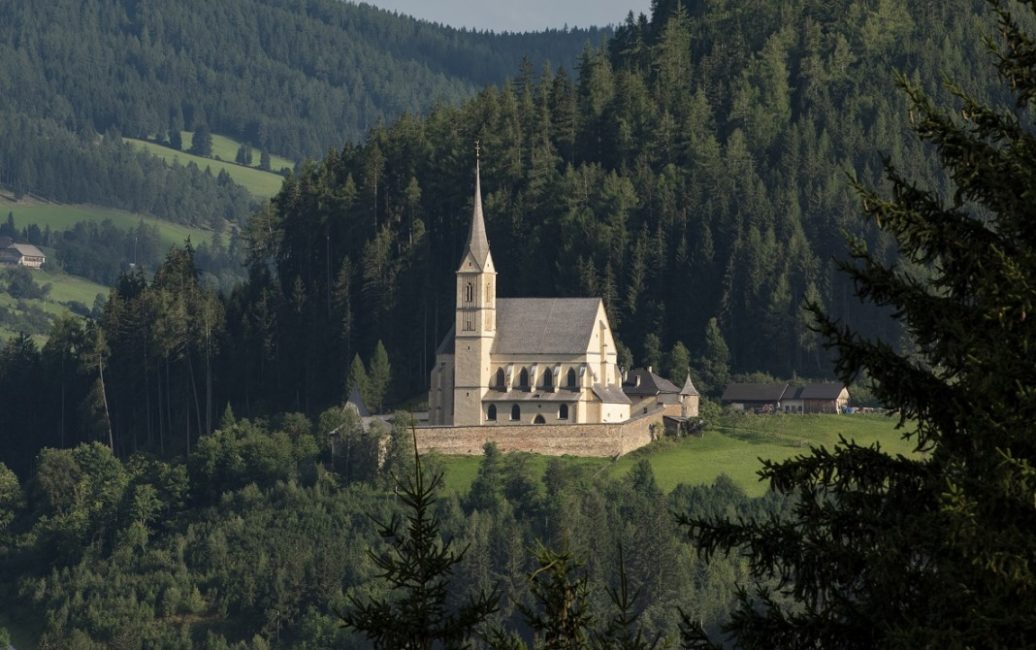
[935,550]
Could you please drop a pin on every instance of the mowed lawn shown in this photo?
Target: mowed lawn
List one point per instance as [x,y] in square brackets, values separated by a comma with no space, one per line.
[259,183]
[732,446]
[63,216]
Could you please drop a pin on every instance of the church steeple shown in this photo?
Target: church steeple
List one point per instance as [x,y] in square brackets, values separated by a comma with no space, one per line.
[475,327]
[478,242]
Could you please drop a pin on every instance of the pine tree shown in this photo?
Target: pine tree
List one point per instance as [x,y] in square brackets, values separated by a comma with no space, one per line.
[714,363]
[357,379]
[379,378]
[935,549]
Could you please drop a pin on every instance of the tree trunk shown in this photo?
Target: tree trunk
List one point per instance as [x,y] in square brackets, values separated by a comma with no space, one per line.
[104,398]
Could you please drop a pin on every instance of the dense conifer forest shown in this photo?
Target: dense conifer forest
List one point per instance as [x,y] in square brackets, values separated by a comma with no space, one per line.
[695,173]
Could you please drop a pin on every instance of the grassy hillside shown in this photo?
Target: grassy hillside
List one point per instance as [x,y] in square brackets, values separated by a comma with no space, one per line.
[64,290]
[61,216]
[259,183]
[732,446]
[226,148]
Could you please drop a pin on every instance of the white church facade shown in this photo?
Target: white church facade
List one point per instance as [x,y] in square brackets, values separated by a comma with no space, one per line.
[522,361]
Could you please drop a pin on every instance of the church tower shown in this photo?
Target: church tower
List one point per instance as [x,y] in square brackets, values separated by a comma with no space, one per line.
[476,320]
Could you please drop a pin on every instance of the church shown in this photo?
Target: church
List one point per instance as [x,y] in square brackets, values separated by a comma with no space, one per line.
[512,361]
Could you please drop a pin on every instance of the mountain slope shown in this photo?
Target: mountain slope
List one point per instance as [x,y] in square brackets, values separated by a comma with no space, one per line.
[292,77]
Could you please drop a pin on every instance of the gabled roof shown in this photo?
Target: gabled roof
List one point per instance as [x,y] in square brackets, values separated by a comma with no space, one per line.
[356,403]
[27,250]
[544,325]
[610,394]
[689,389]
[825,390]
[754,392]
[649,383]
[448,343]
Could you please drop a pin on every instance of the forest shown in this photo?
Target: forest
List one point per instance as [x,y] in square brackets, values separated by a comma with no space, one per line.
[702,190]
[181,486]
[258,537]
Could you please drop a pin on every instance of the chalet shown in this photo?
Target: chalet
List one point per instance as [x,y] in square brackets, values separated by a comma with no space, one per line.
[22,255]
[829,397]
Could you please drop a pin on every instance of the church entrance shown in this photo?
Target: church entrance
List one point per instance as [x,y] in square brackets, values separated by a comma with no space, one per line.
[539,420]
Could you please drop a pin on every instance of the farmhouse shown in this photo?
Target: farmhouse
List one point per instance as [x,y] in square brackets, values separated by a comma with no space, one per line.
[826,397]
[22,255]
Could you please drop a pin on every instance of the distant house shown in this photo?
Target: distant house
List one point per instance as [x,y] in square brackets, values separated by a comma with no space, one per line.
[826,397]
[754,397]
[830,397]
[647,390]
[22,255]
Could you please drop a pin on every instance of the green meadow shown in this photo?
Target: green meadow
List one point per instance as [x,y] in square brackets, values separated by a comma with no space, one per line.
[64,289]
[259,183]
[61,216]
[734,446]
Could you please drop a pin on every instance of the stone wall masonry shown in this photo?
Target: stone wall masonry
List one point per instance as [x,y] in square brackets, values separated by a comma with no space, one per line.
[615,439]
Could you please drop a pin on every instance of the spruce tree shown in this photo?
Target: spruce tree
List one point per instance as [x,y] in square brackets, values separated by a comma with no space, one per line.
[935,549]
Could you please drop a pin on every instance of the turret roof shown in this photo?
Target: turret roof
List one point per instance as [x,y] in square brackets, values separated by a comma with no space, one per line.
[478,242]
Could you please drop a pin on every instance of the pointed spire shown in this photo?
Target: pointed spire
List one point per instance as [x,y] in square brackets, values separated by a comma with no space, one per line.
[478,243]
[688,386]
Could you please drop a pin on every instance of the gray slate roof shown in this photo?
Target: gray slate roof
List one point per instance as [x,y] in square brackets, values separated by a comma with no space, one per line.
[610,394]
[448,344]
[827,390]
[356,403]
[27,250]
[544,325]
[689,389]
[649,384]
[754,392]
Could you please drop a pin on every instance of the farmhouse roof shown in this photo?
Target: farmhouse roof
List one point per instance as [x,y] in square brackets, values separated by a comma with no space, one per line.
[27,250]
[754,392]
[642,381]
[544,325]
[826,390]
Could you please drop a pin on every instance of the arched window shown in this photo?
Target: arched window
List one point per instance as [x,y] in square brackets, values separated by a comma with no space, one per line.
[516,412]
[491,413]
[563,412]
[469,292]
[489,292]
[548,379]
[500,383]
[571,378]
[539,420]
[523,379]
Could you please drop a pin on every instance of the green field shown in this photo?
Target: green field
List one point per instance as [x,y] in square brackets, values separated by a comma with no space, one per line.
[63,290]
[64,216]
[733,446]
[226,149]
[259,183]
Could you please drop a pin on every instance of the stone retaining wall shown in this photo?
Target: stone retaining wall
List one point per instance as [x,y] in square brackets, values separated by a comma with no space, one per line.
[614,439]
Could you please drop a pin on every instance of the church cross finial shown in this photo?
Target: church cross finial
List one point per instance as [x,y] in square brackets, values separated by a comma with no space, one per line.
[476,149]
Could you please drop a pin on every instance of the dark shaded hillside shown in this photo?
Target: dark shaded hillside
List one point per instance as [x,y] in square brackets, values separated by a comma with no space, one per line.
[293,77]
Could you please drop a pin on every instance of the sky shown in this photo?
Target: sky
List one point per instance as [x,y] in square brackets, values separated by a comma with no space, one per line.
[517,15]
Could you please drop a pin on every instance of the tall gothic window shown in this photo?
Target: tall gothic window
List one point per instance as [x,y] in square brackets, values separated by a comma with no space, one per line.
[469,292]
[489,292]
[491,413]
[548,379]
[516,412]
[523,379]
[571,377]
[500,382]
